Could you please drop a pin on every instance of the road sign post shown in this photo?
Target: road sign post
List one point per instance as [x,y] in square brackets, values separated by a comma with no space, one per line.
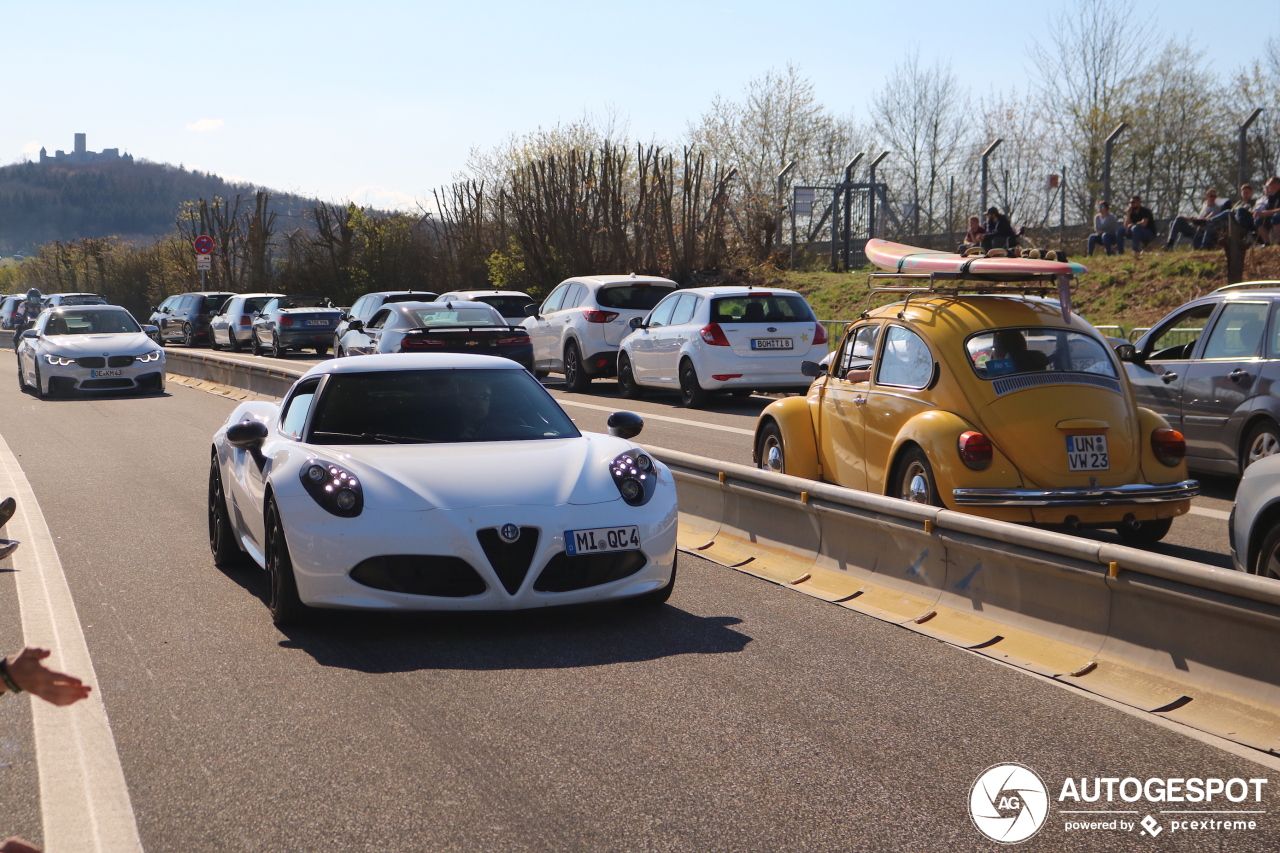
[204,258]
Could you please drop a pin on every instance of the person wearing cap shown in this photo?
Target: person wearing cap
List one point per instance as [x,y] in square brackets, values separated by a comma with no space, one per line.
[999,233]
[1139,223]
[1106,230]
[1197,227]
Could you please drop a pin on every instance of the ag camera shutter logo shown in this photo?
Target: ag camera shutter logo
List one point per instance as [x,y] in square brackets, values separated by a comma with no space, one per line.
[1009,803]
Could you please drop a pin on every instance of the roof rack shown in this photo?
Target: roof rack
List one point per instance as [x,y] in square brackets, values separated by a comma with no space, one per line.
[1246,285]
[953,284]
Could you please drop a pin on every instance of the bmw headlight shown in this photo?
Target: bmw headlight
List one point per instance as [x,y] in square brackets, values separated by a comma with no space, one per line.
[635,475]
[333,487]
[58,360]
[147,357]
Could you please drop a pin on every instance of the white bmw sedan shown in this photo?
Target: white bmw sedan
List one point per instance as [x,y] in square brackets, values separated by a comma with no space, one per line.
[89,348]
[437,482]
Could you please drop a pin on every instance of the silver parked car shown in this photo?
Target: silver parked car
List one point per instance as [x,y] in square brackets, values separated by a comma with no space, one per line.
[233,323]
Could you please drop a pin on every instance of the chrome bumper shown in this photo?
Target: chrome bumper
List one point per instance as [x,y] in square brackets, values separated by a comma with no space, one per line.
[1092,496]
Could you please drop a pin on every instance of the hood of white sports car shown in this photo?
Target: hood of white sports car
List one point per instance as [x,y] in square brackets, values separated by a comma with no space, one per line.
[546,472]
[81,345]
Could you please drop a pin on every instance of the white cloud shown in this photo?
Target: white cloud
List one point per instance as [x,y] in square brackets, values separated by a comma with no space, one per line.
[205,125]
[381,198]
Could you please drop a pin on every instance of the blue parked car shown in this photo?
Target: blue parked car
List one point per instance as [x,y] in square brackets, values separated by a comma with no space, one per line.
[294,323]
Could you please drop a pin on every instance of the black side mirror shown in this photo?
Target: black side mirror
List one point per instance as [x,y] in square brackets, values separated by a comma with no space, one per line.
[625,424]
[811,368]
[531,310]
[247,435]
[355,326]
[637,323]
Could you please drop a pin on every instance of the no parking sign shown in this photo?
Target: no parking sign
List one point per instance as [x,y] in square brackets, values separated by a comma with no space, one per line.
[203,244]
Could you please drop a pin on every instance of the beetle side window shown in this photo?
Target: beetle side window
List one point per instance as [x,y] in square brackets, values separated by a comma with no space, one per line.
[905,360]
[1237,333]
[859,350]
[294,416]
[1176,339]
[661,315]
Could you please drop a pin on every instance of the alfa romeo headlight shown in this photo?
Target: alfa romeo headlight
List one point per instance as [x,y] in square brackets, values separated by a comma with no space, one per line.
[333,487]
[58,360]
[147,357]
[635,475]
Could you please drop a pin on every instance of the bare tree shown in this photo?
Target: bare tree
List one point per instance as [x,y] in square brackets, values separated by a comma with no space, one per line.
[1021,165]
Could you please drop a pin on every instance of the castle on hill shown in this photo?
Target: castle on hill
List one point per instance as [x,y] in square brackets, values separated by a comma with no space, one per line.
[82,155]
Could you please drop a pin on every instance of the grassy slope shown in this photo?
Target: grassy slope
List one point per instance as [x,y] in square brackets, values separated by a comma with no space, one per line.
[1121,290]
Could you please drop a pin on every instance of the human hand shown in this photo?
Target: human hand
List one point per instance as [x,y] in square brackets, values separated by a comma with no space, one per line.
[14,844]
[27,671]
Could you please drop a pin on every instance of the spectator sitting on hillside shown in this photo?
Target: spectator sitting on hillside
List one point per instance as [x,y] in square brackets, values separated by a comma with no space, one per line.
[1106,230]
[1197,227]
[999,233]
[972,237]
[1266,215]
[1139,224]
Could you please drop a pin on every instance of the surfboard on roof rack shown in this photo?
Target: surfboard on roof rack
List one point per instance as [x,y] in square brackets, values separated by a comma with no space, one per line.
[898,258]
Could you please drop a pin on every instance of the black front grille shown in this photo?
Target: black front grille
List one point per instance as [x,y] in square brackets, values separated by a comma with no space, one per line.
[120,361]
[445,577]
[564,573]
[92,361]
[509,560]
[106,383]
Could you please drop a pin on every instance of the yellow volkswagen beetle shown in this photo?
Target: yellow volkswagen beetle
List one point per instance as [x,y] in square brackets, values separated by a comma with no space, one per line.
[991,405]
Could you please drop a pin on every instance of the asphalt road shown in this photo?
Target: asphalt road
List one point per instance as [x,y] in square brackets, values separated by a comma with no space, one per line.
[739,717]
[724,431]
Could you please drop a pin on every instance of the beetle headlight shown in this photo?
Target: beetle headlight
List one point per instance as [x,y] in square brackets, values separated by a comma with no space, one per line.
[146,357]
[333,487]
[635,475]
[58,360]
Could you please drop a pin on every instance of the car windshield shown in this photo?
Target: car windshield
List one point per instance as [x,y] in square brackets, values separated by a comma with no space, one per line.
[305,302]
[111,322]
[760,308]
[458,315]
[437,406]
[507,306]
[210,304]
[634,296]
[1003,352]
[254,304]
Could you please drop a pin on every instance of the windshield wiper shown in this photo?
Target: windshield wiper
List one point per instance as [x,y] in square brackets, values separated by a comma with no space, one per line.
[378,436]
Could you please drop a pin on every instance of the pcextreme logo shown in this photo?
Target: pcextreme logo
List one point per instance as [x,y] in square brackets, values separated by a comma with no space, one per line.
[1010,803]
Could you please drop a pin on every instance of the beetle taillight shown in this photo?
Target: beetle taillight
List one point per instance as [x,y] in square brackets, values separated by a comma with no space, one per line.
[975,450]
[1169,446]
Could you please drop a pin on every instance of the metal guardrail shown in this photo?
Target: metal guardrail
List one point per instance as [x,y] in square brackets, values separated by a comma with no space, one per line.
[1188,642]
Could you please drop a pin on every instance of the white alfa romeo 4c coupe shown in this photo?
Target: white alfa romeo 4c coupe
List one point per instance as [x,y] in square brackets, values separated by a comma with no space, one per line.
[437,482]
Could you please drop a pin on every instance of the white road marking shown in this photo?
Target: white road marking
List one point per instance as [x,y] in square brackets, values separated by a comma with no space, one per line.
[647,416]
[1209,513]
[83,796]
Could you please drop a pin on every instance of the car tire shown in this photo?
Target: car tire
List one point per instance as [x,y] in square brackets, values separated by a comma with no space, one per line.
[22,381]
[627,385]
[1268,563]
[233,345]
[1262,441]
[278,351]
[339,352]
[575,375]
[770,454]
[741,393]
[188,336]
[541,374]
[222,537]
[692,395]
[322,351]
[39,389]
[658,596]
[255,346]
[282,586]
[915,481]
[1144,534]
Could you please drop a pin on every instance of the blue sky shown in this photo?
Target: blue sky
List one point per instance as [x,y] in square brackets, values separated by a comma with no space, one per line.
[381,101]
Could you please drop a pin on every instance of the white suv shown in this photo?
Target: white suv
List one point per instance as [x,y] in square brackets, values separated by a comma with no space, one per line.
[722,338]
[509,303]
[577,329]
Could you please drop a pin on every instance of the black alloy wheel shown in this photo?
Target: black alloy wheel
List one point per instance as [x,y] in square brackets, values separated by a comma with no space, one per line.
[222,537]
[188,336]
[769,452]
[627,385]
[22,380]
[278,351]
[255,346]
[1144,534]
[233,344]
[575,374]
[915,480]
[692,394]
[282,587]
